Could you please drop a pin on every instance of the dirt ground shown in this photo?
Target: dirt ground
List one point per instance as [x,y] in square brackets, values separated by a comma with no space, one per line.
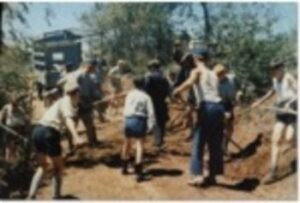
[94,174]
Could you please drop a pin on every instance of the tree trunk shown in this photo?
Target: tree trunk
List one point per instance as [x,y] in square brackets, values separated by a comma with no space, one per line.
[1,26]
[206,21]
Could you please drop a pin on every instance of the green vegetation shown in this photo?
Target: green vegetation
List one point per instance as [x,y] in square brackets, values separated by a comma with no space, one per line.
[241,35]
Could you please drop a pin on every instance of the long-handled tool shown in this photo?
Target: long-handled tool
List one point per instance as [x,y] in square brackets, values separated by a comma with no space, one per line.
[279,110]
[12,132]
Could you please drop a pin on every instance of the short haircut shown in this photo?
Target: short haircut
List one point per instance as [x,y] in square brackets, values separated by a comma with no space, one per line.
[139,82]
[153,64]
[276,65]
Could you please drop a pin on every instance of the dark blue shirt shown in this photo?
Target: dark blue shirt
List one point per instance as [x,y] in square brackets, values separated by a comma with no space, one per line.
[158,88]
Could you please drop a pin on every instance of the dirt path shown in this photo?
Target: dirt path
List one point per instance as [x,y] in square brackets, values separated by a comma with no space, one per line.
[94,174]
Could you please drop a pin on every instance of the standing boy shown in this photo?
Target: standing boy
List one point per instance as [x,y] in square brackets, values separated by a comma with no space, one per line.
[14,117]
[210,124]
[228,92]
[139,119]
[158,88]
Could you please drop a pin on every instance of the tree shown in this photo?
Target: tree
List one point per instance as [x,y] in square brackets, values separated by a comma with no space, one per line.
[243,38]
[135,31]
[9,14]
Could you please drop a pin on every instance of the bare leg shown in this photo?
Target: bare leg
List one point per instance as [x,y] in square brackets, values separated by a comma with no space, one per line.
[289,138]
[126,149]
[139,151]
[125,155]
[10,151]
[57,176]
[138,160]
[290,132]
[276,136]
[37,177]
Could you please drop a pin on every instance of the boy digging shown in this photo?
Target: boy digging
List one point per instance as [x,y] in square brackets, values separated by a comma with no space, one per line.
[285,87]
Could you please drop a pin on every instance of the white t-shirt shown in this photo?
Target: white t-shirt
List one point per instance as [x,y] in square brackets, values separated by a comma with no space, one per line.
[286,89]
[57,114]
[138,103]
[208,87]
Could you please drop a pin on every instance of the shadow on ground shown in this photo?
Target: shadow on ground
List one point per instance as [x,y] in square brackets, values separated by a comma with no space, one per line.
[158,172]
[246,185]
[68,197]
[249,150]
[111,160]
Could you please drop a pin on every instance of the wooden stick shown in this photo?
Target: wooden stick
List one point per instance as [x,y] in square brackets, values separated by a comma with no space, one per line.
[11,131]
[280,110]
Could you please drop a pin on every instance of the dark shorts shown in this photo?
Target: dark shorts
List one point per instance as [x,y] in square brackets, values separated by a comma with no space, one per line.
[135,127]
[46,140]
[286,118]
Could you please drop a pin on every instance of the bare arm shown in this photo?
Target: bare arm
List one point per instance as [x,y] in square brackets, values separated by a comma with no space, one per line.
[151,115]
[72,128]
[267,96]
[194,76]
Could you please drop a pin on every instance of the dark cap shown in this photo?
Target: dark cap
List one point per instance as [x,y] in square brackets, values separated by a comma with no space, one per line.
[93,63]
[186,56]
[200,52]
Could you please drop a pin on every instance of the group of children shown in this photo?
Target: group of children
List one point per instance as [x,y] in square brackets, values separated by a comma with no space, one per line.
[212,97]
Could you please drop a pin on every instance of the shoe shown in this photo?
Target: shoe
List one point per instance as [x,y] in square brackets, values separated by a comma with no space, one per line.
[125,167]
[197,181]
[57,198]
[209,181]
[140,176]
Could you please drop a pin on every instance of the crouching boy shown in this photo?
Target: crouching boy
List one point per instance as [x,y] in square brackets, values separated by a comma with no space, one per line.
[139,119]
[46,139]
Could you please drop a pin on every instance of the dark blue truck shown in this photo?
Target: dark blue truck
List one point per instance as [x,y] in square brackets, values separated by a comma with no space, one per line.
[53,51]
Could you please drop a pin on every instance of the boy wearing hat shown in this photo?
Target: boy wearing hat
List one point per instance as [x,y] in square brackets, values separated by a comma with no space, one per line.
[88,95]
[46,139]
[285,88]
[228,92]
[139,119]
[210,126]
[115,76]
[158,88]
[187,65]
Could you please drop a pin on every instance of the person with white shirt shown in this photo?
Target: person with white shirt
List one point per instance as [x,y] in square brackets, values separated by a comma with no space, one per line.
[115,75]
[285,87]
[139,119]
[14,117]
[210,123]
[46,138]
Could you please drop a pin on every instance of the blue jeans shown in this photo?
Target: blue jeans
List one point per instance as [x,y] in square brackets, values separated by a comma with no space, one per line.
[209,131]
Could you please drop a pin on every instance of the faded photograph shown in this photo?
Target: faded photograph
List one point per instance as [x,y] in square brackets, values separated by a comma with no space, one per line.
[148,101]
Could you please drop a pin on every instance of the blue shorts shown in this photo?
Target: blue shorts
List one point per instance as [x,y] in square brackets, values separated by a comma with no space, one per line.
[46,140]
[135,127]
